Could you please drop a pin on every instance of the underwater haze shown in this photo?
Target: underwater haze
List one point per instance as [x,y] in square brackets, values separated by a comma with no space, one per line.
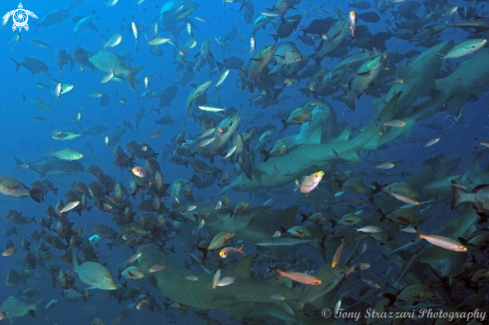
[244,162]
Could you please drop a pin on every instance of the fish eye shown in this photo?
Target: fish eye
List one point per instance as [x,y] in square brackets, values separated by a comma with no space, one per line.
[106,278]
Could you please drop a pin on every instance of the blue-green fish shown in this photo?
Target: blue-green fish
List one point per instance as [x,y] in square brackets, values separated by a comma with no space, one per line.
[107,61]
[93,274]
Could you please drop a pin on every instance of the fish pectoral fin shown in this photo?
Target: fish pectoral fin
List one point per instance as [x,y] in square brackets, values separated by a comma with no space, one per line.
[90,279]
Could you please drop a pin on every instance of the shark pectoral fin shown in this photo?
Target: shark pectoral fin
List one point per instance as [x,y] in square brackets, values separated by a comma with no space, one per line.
[315,137]
[351,156]
[242,269]
[408,128]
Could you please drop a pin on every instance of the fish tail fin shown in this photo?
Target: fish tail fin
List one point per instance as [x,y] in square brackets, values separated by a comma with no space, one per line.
[392,298]
[304,217]
[17,65]
[463,240]
[306,92]
[383,215]
[378,188]
[104,44]
[340,182]
[51,152]
[458,196]
[131,75]
[419,236]
[348,100]
[284,121]
[37,306]
[267,155]
[18,163]
[333,223]
[37,195]
[204,251]
[281,274]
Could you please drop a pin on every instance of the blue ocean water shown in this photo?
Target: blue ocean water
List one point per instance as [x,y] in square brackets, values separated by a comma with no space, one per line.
[30,140]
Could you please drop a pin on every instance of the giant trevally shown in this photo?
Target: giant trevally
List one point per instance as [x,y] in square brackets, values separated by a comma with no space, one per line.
[82,56]
[332,39]
[54,166]
[167,96]
[93,274]
[286,28]
[33,65]
[174,11]
[260,60]
[260,22]
[249,10]
[117,134]
[107,61]
[287,53]
[364,77]
[52,18]
[19,307]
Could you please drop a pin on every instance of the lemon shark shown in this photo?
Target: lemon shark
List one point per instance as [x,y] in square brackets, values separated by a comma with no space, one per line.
[448,94]
[247,298]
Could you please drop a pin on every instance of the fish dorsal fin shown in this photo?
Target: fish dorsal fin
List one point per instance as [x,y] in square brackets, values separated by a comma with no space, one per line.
[344,136]
[473,173]
[241,270]
[194,86]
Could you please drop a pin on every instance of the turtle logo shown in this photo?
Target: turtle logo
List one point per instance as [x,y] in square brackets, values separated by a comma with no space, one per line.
[20,17]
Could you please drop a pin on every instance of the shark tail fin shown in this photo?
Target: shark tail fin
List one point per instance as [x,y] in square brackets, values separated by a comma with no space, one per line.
[18,163]
[37,194]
